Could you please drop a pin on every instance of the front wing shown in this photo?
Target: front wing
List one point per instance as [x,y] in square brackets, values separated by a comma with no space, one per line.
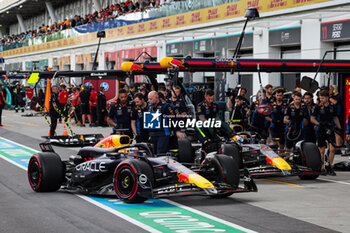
[74,141]
[270,170]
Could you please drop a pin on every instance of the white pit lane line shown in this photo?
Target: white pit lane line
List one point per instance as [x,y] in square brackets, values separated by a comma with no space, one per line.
[334,181]
[126,217]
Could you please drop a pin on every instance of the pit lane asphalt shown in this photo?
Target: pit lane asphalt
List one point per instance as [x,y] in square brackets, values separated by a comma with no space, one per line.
[316,206]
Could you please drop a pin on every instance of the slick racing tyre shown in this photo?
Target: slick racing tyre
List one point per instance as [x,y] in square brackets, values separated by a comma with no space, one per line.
[233,151]
[227,171]
[126,180]
[185,154]
[312,159]
[45,172]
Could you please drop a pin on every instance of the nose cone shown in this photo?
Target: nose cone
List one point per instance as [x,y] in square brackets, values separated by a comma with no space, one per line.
[168,62]
[130,66]
[279,163]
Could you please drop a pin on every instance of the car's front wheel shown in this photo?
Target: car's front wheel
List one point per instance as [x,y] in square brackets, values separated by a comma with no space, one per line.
[226,169]
[311,159]
[126,180]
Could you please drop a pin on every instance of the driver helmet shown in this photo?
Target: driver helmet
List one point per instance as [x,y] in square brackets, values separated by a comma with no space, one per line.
[240,138]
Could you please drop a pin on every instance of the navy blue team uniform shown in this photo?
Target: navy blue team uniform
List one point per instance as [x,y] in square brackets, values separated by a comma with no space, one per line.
[240,112]
[137,115]
[277,127]
[246,103]
[270,100]
[324,115]
[208,111]
[309,129]
[258,120]
[338,107]
[296,116]
[121,115]
[54,115]
[178,106]
[160,137]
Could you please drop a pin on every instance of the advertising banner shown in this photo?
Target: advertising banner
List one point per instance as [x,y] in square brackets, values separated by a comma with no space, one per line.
[88,28]
[111,88]
[220,12]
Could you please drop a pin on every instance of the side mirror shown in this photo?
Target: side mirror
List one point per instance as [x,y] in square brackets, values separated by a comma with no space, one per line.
[308,84]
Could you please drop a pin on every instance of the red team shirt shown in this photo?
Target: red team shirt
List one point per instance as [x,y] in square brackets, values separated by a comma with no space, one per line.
[63,97]
[93,98]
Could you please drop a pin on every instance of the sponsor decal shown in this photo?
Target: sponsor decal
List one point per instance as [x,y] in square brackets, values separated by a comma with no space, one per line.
[180,20]
[254,3]
[166,23]
[98,74]
[143,179]
[141,28]
[105,86]
[92,166]
[284,36]
[153,25]
[196,17]
[120,32]
[110,33]
[277,4]
[130,30]
[213,14]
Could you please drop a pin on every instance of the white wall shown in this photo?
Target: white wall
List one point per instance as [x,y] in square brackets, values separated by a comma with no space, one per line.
[261,49]
[311,45]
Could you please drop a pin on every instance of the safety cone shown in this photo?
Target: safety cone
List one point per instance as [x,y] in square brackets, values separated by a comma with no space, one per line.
[65,133]
[49,133]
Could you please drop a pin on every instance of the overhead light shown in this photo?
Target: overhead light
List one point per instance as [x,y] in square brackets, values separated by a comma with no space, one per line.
[20,6]
[251,13]
[7,12]
[0,25]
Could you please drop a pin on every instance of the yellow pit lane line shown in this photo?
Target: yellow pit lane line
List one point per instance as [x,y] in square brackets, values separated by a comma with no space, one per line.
[282,182]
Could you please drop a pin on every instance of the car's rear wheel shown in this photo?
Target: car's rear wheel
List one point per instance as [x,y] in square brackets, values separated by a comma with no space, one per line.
[125,180]
[45,172]
[311,159]
[227,171]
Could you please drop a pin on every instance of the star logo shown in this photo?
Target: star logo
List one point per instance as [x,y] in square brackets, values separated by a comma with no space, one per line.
[152,120]
[155,115]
